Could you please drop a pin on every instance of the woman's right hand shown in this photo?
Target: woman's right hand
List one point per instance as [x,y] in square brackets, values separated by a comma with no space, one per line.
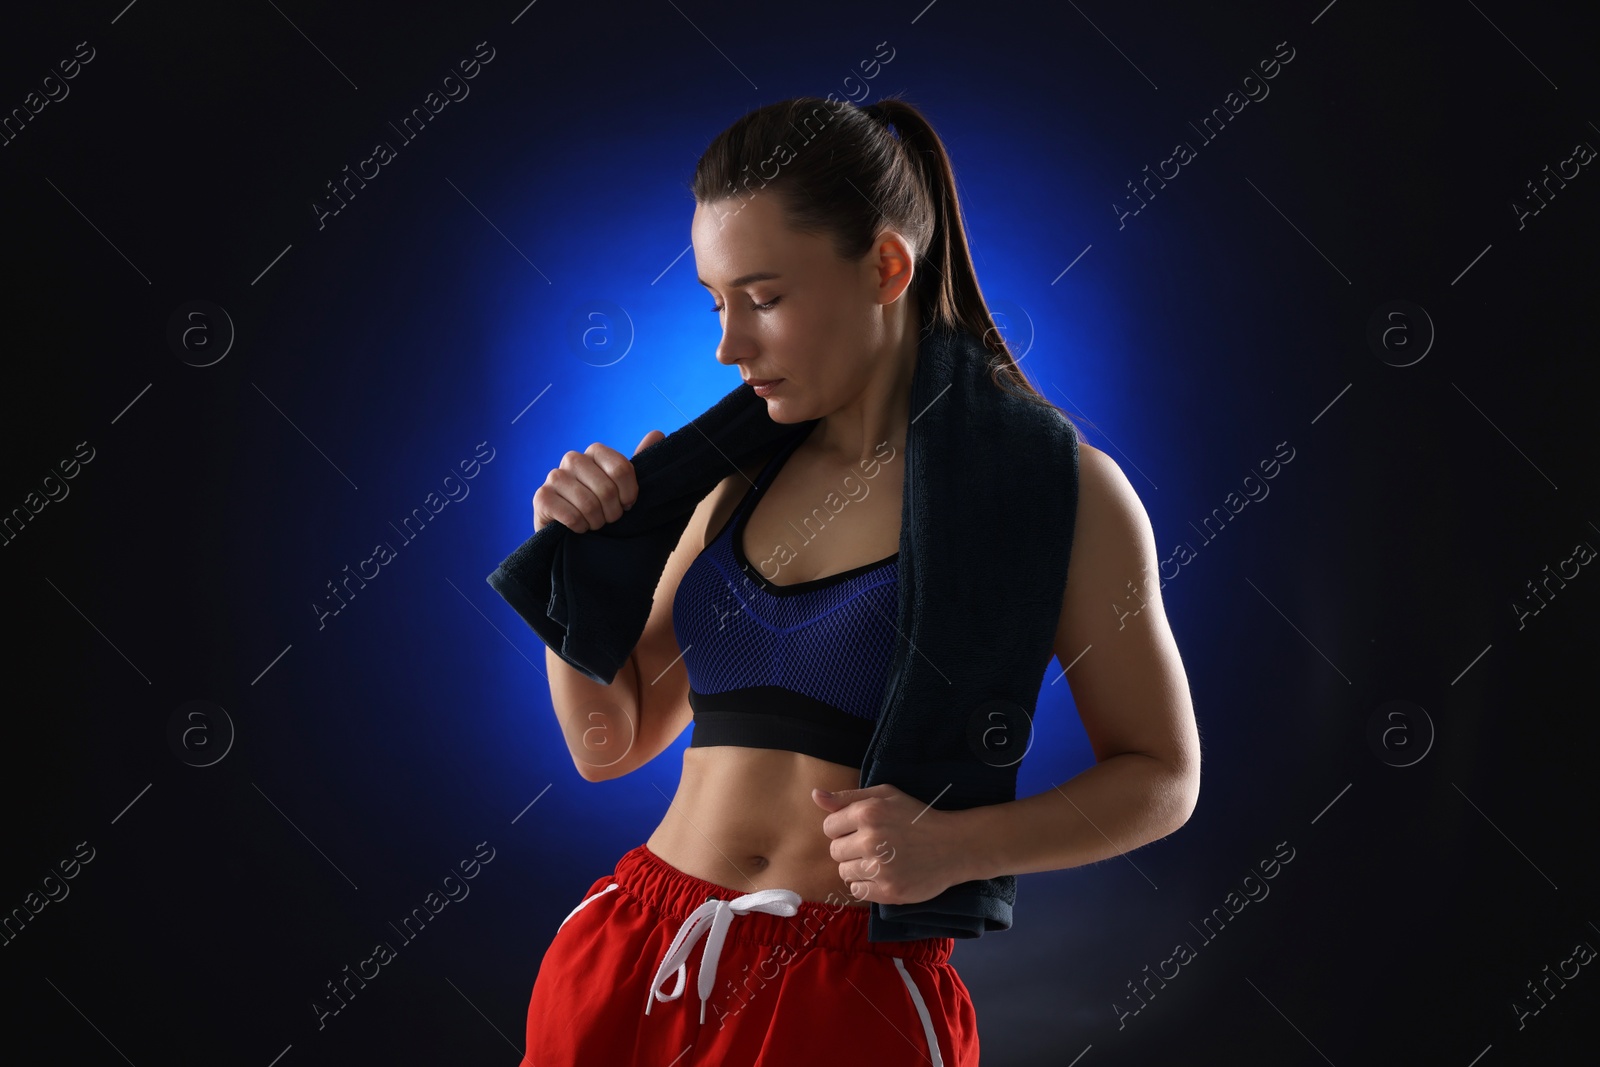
[590,488]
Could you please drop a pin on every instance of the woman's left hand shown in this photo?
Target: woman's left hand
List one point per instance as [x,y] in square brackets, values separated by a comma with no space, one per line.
[891,847]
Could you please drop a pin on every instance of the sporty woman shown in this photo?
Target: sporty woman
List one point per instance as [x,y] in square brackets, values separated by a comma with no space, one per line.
[737,933]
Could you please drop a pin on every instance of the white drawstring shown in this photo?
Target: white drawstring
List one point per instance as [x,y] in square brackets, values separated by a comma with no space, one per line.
[711,920]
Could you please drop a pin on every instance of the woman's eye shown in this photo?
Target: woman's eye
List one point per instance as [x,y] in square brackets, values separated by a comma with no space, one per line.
[768,306]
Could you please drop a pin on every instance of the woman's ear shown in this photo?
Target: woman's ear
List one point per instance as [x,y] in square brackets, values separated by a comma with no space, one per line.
[892,262]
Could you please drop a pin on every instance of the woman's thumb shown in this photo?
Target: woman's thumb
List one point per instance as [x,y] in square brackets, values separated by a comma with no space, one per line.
[649,439]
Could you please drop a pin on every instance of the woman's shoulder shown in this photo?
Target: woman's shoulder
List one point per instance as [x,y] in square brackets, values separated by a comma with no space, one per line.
[718,506]
[1101,479]
[1110,512]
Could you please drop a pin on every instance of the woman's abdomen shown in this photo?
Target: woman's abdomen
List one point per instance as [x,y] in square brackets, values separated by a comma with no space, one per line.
[743,818]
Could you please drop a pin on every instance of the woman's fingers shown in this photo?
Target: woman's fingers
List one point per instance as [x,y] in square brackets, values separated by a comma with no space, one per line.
[589,488]
[594,482]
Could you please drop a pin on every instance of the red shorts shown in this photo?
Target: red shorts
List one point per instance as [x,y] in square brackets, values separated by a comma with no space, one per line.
[654,963]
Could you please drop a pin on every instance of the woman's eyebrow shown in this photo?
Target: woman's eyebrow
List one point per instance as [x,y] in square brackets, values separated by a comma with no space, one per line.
[738,283]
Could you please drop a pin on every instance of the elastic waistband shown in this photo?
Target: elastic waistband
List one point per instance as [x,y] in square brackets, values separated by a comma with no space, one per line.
[842,928]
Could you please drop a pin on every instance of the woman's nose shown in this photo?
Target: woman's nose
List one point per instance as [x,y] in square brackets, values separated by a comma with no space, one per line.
[733,348]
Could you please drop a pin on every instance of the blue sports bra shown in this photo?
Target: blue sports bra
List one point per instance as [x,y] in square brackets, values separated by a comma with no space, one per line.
[798,667]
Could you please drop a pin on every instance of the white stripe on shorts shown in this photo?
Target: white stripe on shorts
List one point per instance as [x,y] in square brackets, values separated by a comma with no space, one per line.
[922,1012]
[586,900]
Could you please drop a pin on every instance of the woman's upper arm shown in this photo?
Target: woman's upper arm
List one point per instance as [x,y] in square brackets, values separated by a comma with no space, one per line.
[1126,675]
[664,710]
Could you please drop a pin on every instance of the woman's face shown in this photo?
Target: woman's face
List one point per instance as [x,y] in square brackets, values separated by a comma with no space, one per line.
[791,309]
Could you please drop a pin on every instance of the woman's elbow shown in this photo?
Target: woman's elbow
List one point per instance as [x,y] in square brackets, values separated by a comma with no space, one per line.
[1182,791]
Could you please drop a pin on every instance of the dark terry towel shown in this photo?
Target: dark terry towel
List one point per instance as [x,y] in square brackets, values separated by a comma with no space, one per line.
[990,497]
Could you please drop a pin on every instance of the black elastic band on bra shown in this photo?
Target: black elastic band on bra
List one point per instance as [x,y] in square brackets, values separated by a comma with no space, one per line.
[769,716]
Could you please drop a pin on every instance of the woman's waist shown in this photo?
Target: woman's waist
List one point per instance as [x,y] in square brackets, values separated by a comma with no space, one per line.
[675,894]
[744,819]
[745,869]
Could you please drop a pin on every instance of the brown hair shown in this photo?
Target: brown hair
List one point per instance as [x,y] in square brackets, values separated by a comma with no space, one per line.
[857,171]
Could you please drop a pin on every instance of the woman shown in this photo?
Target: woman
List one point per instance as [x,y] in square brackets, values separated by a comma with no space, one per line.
[825,276]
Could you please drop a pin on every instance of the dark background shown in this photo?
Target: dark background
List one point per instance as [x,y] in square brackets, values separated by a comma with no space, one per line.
[513,277]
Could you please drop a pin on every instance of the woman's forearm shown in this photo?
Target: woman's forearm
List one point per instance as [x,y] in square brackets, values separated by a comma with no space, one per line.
[1119,804]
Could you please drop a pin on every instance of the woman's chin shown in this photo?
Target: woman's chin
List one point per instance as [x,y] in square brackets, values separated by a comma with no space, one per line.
[780,409]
